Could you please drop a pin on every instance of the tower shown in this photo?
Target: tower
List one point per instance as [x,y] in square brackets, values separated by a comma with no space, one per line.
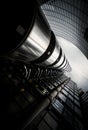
[36,93]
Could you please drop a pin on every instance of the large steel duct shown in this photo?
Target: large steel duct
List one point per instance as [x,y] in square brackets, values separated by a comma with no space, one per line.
[34,41]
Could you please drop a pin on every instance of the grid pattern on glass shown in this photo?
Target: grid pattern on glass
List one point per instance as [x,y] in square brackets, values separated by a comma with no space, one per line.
[68,19]
[62,97]
[63,91]
[58,106]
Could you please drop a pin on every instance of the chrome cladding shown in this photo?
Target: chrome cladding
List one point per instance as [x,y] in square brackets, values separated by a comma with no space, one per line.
[35,41]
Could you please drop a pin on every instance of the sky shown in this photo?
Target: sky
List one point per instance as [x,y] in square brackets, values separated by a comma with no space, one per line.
[78,62]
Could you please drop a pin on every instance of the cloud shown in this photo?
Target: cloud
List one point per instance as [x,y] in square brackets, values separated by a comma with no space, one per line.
[78,62]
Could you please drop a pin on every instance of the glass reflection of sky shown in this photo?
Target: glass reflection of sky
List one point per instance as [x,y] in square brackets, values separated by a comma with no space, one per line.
[78,62]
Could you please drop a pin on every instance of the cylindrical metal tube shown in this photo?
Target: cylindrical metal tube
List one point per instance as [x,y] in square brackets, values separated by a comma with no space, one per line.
[36,42]
[64,63]
[60,61]
[58,58]
[67,67]
[64,66]
[52,58]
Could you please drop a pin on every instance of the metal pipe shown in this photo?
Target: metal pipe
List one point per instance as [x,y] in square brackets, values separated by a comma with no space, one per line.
[34,40]
[60,61]
[63,64]
[54,55]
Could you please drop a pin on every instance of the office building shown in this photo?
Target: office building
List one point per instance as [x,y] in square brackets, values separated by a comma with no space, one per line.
[36,92]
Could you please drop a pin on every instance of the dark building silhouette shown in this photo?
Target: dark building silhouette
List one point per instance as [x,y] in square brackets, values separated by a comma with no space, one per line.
[35,92]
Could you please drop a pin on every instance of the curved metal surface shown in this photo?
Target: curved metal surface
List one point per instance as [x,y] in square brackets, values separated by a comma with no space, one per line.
[37,41]
[54,55]
[58,58]
[16,32]
[66,64]
[68,20]
[48,51]
[60,61]
[62,66]
[67,67]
